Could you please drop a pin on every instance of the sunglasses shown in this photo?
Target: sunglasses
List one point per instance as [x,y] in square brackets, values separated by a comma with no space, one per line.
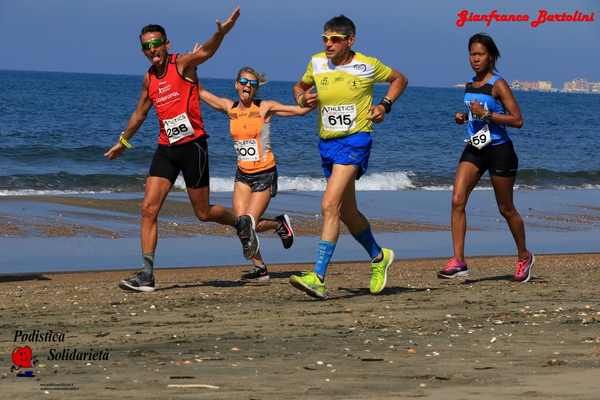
[148,44]
[335,38]
[252,82]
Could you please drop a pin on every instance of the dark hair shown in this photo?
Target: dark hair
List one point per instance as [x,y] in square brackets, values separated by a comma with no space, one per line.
[487,42]
[260,77]
[153,28]
[340,24]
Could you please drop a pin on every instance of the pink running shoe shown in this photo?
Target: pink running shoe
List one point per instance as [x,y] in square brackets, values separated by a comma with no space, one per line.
[523,269]
[454,269]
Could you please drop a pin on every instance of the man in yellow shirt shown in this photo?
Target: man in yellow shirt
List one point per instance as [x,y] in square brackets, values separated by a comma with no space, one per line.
[344,81]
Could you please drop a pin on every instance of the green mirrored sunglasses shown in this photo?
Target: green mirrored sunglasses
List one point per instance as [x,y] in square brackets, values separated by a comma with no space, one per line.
[148,44]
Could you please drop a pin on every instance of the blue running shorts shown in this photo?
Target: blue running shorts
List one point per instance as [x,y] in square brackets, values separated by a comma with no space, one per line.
[348,150]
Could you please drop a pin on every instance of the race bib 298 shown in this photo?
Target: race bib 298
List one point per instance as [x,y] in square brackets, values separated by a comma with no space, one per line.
[177,128]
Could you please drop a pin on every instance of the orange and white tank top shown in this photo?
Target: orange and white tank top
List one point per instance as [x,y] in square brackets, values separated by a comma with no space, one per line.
[177,105]
[251,138]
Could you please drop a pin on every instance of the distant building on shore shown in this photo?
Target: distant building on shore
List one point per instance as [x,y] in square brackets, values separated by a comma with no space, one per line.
[578,85]
[581,85]
[539,86]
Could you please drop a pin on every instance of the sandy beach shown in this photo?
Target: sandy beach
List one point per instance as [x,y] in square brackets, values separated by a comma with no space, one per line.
[205,335]
[72,200]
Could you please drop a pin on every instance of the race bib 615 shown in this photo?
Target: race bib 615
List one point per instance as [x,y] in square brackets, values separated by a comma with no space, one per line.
[338,118]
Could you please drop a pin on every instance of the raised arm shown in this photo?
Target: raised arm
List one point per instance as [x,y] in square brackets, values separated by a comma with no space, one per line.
[135,121]
[208,48]
[218,103]
[271,108]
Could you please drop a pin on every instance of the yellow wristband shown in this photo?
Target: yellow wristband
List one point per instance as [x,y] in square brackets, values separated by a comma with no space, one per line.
[124,142]
[300,100]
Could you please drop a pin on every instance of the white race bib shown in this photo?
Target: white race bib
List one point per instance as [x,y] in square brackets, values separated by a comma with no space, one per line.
[482,138]
[177,128]
[246,150]
[338,118]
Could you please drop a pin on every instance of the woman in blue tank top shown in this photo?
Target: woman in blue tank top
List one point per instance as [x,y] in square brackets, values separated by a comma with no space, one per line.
[490,108]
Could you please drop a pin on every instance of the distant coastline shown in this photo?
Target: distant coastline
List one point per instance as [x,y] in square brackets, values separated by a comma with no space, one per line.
[577,85]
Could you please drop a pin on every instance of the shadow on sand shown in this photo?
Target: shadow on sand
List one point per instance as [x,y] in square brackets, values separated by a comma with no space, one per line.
[23,277]
[508,278]
[388,291]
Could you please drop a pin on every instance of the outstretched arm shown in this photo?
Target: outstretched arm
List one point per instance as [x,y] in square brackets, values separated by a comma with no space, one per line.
[218,103]
[135,121]
[208,48]
[283,110]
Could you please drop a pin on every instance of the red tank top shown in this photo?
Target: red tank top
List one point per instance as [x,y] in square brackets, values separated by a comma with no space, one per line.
[177,105]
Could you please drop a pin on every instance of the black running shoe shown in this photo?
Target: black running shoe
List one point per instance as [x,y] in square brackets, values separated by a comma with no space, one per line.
[247,234]
[140,282]
[257,274]
[285,231]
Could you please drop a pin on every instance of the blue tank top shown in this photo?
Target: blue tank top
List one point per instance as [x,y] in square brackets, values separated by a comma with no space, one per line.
[483,95]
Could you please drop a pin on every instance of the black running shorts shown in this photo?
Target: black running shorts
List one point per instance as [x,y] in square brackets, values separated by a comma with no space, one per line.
[259,182]
[191,159]
[500,160]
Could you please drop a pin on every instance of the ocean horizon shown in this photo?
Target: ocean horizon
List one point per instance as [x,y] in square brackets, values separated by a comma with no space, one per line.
[73,118]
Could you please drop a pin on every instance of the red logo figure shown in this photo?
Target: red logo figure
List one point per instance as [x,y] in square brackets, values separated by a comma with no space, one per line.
[21,357]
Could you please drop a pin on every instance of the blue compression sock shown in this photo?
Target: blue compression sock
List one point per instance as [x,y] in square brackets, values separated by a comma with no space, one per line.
[324,254]
[366,239]
[148,263]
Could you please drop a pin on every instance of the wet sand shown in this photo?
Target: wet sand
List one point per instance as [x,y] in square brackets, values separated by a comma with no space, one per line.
[117,215]
[120,218]
[205,335]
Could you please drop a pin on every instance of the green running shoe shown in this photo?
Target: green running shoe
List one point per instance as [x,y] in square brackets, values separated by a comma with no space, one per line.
[310,283]
[379,271]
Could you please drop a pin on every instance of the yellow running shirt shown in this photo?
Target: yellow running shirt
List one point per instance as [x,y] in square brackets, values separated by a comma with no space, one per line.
[345,92]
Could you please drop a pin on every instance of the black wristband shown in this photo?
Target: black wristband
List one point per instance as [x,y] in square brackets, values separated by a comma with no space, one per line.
[387,104]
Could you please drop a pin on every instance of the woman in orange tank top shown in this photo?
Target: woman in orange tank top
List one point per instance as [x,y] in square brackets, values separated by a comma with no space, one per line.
[256,176]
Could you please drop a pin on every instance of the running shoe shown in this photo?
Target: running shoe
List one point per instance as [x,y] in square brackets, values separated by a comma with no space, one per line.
[454,269]
[140,282]
[310,283]
[379,271]
[523,269]
[246,230]
[285,231]
[257,274]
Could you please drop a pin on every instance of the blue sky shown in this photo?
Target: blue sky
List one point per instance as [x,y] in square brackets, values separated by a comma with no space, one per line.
[419,38]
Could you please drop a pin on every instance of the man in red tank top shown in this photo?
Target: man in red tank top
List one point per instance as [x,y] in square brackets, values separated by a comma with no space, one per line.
[171,86]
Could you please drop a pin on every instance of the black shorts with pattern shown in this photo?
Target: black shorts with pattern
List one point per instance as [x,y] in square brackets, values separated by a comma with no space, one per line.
[191,159]
[260,181]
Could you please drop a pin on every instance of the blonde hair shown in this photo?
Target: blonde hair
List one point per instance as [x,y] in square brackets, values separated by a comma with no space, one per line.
[261,78]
